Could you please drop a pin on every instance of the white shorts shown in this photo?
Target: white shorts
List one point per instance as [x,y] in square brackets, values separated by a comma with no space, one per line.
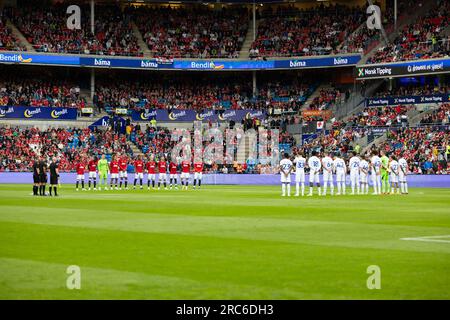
[92,174]
[314,178]
[285,178]
[197,175]
[300,176]
[185,175]
[80,176]
[123,174]
[393,178]
[340,176]
[151,176]
[354,176]
[173,176]
[375,177]
[114,175]
[401,176]
[363,177]
[162,177]
[327,176]
[139,175]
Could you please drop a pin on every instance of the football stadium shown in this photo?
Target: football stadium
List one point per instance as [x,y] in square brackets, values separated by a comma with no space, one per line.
[225,150]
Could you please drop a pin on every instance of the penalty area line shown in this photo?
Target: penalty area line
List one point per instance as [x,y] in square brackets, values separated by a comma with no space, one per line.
[429,239]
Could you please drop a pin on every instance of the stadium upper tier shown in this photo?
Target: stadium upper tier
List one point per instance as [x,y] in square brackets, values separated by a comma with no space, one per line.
[201,32]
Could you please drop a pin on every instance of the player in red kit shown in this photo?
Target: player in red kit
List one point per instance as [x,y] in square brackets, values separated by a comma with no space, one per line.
[173,174]
[162,166]
[114,169]
[150,168]
[139,171]
[185,169]
[198,170]
[123,174]
[80,174]
[92,167]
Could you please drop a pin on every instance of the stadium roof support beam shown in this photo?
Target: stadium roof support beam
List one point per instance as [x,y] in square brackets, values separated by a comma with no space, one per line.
[395,14]
[92,83]
[93,16]
[254,21]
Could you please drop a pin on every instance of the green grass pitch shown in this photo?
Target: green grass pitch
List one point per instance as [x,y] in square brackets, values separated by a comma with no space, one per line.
[223,242]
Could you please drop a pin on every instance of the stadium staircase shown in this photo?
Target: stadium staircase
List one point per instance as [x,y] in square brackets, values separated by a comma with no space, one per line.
[142,45]
[19,36]
[244,53]
[414,12]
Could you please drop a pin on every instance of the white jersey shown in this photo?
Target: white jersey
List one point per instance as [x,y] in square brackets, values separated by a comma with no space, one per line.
[299,164]
[327,165]
[339,165]
[403,166]
[354,164]
[376,164]
[393,166]
[286,166]
[364,165]
[314,164]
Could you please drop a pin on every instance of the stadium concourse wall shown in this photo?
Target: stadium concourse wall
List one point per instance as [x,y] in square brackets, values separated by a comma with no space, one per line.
[415,181]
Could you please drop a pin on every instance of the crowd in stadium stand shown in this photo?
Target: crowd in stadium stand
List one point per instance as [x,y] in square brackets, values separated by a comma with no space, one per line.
[193,33]
[422,39]
[46,29]
[380,116]
[202,94]
[423,148]
[7,40]
[39,93]
[316,31]
[439,116]
[414,90]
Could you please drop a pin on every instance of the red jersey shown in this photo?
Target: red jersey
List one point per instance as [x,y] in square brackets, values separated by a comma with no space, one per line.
[162,166]
[80,168]
[139,166]
[173,168]
[92,166]
[114,167]
[198,167]
[123,164]
[185,166]
[150,166]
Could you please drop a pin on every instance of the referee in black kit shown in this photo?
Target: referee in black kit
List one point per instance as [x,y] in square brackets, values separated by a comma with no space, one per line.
[36,178]
[54,176]
[42,176]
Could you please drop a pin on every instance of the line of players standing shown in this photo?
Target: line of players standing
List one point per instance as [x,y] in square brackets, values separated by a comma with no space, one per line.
[386,173]
[117,169]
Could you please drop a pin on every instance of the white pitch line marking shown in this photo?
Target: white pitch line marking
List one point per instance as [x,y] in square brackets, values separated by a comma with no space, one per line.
[429,239]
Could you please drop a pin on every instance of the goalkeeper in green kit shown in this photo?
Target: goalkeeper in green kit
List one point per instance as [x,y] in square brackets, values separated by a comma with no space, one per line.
[103,170]
[384,173]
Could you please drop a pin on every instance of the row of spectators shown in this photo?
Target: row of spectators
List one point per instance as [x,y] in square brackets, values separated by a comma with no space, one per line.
[7,40]
[440,116]
[380,117]
[46,29]
[39,93]
[414,90]
[422,39]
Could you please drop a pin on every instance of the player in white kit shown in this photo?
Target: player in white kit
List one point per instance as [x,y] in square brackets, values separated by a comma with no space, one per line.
[354,172]
[375,165]
[327,165]
[393,177]
[314,165]
[363,175]
[286,168]
[402,173]
[300,163]
[340,169]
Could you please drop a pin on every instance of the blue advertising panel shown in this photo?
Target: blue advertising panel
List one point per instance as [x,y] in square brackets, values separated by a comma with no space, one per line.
[317,62]
[388,101]
[192,115]
[30,58]
[31,113]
